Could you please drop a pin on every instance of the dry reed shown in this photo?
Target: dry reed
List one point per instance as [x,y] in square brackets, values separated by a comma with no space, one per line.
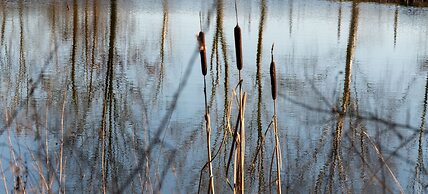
[240,170]
[238,137]
[239,154]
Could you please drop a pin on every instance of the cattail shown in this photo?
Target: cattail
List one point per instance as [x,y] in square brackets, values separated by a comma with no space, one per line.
[202,52]
[238,40]
[238,46]
[273,76]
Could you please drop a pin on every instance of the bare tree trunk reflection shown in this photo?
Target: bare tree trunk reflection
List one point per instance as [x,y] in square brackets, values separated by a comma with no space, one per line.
[290,17]
[222,41]
[162,47]
[94,46]
[3,24]
[259,96]
[73,52]
[335,161]
[219,40]
[22,65]
[418,182]
[339,20]
[395,25]
[86,28]
[106,131]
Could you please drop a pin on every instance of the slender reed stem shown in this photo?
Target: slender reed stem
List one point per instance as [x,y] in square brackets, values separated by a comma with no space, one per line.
[242,142]
[277,150]
[208,129]
[61,152]
[236,13]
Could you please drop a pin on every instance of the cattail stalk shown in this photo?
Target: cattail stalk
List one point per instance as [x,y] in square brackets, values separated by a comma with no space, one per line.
[203,54]
[275,122]
[238,48]
[239,170]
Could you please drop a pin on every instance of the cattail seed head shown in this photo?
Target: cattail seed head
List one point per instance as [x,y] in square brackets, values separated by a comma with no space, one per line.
[238,46]
[273,79]
[203,53]
[273,76]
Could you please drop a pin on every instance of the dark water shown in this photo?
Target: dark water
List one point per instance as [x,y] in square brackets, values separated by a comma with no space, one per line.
[100,96]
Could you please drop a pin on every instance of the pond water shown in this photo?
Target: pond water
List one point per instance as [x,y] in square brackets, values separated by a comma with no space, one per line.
[108,96]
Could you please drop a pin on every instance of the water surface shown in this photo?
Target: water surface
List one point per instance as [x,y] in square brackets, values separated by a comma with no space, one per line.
[101,96]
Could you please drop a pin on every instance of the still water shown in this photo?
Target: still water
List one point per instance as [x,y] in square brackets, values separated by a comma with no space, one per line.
[99,96]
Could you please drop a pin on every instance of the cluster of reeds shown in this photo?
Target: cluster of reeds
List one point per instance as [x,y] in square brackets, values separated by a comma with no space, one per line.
[237,148]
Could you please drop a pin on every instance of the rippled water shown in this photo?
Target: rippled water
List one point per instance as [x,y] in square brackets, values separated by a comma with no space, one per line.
[101,96]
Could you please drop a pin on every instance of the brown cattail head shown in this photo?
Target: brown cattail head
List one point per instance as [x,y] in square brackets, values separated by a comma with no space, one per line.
[202,52]
[238,46]
[273,76]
